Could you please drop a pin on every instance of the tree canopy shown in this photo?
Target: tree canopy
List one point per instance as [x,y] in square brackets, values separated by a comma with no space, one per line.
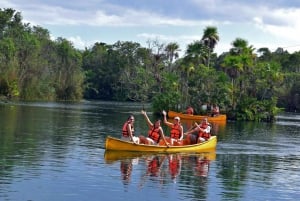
[245,83]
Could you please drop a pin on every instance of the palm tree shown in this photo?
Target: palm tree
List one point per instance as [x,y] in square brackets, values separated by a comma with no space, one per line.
[240,46]
[196,53]
[210,39]
[172,50]
[239,64]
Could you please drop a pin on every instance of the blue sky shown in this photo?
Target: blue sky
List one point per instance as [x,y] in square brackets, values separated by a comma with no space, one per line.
[263,23]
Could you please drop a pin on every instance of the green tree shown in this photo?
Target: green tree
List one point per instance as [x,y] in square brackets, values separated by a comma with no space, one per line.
[98,71]
[172,54]
[238,64]
[69,76]
[195,56]
[170,96]
[8,71]
[134,80]
[196,53]
[210,39]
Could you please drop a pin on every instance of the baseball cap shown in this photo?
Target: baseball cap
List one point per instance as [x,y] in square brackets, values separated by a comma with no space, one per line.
[177,118]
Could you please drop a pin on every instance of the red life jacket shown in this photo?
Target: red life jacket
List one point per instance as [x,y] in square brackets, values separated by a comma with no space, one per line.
[125,131]
[205,135]
[154,134]
[175,131]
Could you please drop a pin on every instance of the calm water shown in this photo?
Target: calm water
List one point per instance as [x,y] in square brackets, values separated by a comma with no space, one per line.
[55,151]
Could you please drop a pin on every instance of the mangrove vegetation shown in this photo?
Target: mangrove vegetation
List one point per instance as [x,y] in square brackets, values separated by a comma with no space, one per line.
[247,83]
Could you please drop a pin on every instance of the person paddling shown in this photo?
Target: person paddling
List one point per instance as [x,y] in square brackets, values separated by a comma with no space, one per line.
[203,131]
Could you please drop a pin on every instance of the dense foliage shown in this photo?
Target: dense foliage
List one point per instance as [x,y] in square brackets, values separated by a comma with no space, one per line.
[32,66]
[246,84]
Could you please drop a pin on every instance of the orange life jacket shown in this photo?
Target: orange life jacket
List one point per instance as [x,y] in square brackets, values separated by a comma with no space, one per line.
[154,134]
[175,131]
[125,131]
[205,135]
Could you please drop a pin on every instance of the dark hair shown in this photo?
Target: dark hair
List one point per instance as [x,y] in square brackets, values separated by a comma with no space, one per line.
[157,121]
[130,116]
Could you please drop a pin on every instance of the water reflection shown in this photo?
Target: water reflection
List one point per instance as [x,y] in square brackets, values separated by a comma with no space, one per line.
[126,169]
[58,148]
[175,162]
[166,168]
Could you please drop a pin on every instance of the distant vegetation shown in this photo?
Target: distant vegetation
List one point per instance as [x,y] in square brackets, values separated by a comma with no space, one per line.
[247,84]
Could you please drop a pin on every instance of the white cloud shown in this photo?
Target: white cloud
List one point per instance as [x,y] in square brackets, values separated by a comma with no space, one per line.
[128,17]
[262,24]
[288,29]
[78,42]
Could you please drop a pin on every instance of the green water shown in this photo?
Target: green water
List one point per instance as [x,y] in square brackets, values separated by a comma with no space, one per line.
[55,151]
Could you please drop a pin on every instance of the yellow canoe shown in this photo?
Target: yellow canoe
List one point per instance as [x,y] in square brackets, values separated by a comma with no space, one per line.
[172,114]
[120,145]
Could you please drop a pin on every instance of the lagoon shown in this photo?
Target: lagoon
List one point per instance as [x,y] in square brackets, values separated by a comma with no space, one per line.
[55,151]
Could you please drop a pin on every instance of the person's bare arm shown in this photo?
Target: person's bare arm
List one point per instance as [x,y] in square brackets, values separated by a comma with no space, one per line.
[130,132]
[181,133]
[150,124]
[163,136]
[193,130]
[165,119]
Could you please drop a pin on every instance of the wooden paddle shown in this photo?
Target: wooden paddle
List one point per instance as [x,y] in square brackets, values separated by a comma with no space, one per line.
[192,127]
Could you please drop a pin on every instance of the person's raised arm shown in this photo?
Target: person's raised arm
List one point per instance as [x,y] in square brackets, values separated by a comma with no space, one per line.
[165,119]
[150,124]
